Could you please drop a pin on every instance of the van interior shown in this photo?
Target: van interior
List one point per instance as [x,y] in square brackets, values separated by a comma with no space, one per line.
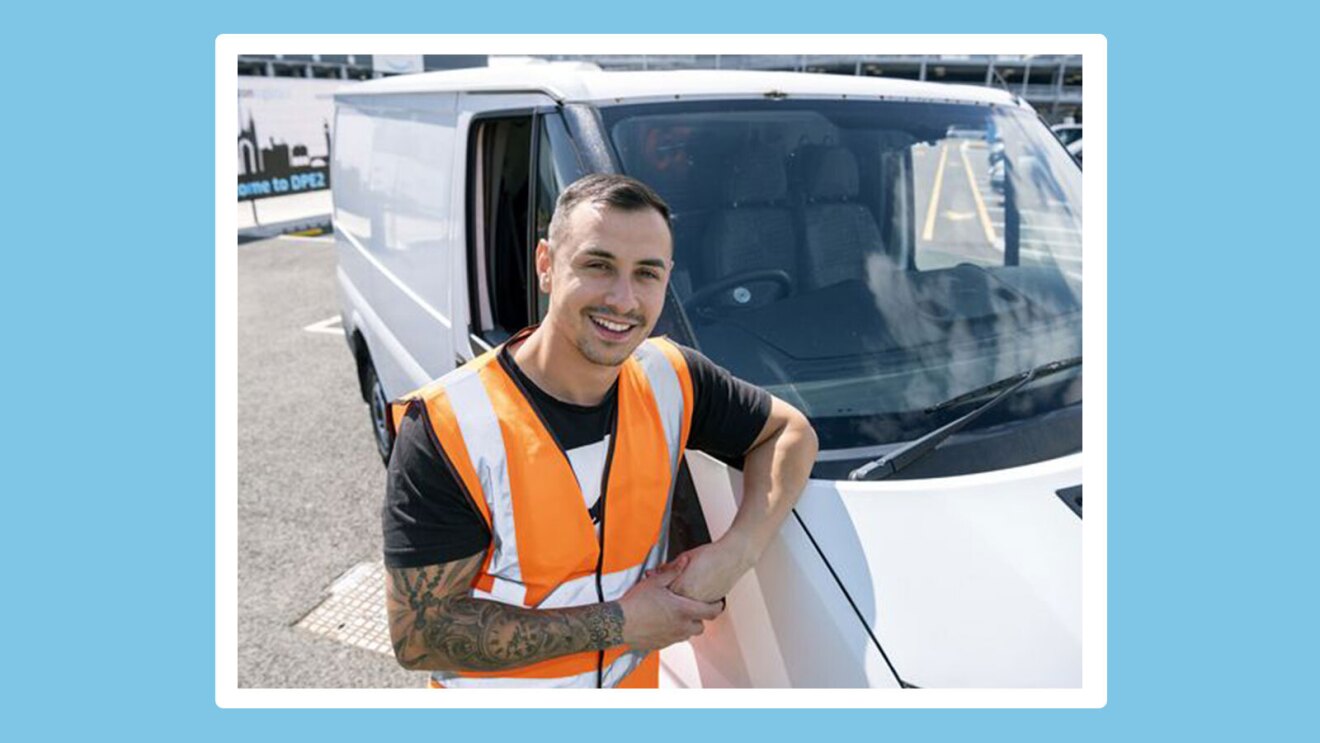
[500,243]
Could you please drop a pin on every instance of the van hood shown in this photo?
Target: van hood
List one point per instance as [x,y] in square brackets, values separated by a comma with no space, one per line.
[972,581]
[968,581]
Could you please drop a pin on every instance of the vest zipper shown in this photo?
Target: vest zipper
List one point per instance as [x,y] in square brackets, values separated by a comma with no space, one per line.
[600,558]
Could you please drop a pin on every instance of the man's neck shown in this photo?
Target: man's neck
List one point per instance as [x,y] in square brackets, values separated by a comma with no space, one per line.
[559,369]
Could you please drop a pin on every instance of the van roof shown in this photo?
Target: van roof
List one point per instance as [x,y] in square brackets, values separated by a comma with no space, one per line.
[575,82]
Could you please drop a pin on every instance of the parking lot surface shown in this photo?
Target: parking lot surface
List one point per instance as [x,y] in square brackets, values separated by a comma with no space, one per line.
[310,484]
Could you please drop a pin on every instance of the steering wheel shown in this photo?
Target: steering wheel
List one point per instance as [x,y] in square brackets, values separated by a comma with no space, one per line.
[701,299]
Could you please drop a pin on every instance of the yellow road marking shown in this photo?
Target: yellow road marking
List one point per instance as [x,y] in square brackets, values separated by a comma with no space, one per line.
[928,233]
[976,195]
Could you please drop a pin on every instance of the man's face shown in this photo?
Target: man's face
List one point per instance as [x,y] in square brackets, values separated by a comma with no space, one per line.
[606,279]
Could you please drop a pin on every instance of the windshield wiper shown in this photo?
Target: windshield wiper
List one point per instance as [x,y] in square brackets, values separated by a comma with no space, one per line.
[903,456]
[1044,370]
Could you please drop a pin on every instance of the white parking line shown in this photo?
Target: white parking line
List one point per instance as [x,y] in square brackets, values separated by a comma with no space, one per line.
[928,232]
[329,326]
[990,236]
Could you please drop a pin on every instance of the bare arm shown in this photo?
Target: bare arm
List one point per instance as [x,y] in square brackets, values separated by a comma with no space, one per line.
[436,625]
[775,470]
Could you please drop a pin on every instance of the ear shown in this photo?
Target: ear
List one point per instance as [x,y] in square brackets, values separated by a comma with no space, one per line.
[543,261]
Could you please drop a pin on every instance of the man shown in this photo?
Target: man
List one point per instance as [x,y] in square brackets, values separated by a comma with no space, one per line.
[527,504]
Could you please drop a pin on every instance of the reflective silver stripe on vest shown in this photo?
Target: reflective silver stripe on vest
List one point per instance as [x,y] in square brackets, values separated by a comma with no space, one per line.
[503,591]
[614,673]
[668,395]
[621,667]
[582,591]
[660,550]
[480,428]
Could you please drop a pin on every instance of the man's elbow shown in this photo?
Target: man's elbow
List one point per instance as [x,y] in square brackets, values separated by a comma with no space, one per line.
[411,654]
[421,661]
[409,658]
[804,436]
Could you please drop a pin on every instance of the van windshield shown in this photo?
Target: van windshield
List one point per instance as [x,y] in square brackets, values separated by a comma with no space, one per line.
[866,260]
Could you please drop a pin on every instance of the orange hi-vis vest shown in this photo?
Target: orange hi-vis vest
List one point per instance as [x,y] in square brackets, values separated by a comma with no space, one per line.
[544,551]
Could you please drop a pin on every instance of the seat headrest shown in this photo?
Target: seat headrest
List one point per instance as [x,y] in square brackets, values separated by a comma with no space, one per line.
[757,177]
[826,173]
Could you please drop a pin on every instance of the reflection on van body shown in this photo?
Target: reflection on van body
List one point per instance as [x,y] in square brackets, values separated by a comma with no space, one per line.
[868,250]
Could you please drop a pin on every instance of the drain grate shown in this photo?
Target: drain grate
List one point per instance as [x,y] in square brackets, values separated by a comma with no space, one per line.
[354,613]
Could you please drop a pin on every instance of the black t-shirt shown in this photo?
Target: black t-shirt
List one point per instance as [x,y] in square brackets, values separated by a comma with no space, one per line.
[428,519]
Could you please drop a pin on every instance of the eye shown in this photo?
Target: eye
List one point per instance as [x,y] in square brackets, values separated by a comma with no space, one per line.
[649,274]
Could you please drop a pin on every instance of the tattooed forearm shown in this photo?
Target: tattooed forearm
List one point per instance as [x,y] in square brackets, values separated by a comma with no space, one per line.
[470,634]
[436,625]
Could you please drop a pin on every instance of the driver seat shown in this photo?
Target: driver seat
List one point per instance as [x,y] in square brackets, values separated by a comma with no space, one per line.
[755,230]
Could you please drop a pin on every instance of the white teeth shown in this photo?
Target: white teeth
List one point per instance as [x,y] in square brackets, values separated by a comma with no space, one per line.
[616,327]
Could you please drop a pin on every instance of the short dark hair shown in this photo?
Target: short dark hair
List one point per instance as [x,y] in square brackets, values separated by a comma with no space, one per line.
[609,189]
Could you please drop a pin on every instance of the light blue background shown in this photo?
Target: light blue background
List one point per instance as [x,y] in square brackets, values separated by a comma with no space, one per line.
[106,285]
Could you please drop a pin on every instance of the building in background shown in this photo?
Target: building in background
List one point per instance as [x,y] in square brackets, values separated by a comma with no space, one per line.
[351,66]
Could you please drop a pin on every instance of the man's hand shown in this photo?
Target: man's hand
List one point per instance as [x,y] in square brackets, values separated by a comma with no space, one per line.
[708,572]
[655,617]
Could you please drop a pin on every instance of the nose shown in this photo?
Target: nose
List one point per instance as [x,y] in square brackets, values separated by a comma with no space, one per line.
[622,296]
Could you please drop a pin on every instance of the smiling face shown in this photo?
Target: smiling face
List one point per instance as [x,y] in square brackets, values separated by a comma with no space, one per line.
[606,277]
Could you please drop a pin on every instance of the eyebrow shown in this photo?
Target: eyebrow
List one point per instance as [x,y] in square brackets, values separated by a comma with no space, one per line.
[602,253]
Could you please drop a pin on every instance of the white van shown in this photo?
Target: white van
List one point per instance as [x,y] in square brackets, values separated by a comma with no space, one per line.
[838,241]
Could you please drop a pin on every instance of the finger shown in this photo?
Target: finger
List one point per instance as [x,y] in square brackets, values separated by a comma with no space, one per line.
[665,577]
[681,586]
[696,628]
[698,609]
[711,610]
[678,563]
[673,566]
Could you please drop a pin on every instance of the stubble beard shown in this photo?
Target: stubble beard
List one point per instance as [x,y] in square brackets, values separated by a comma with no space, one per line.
[596,351]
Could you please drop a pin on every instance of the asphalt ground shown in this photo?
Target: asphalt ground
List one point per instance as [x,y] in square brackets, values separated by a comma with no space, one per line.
[310,483]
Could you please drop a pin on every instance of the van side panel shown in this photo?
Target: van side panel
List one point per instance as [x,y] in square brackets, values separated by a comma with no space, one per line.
[395,231]
[350,163]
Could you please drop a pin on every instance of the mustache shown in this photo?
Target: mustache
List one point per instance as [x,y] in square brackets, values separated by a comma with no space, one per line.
[632,317]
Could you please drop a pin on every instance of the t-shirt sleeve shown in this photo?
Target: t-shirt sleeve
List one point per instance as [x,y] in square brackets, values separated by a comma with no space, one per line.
[727,413]
[428,517]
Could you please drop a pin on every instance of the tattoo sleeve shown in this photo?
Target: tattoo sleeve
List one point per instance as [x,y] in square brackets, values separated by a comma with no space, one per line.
[435,625]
